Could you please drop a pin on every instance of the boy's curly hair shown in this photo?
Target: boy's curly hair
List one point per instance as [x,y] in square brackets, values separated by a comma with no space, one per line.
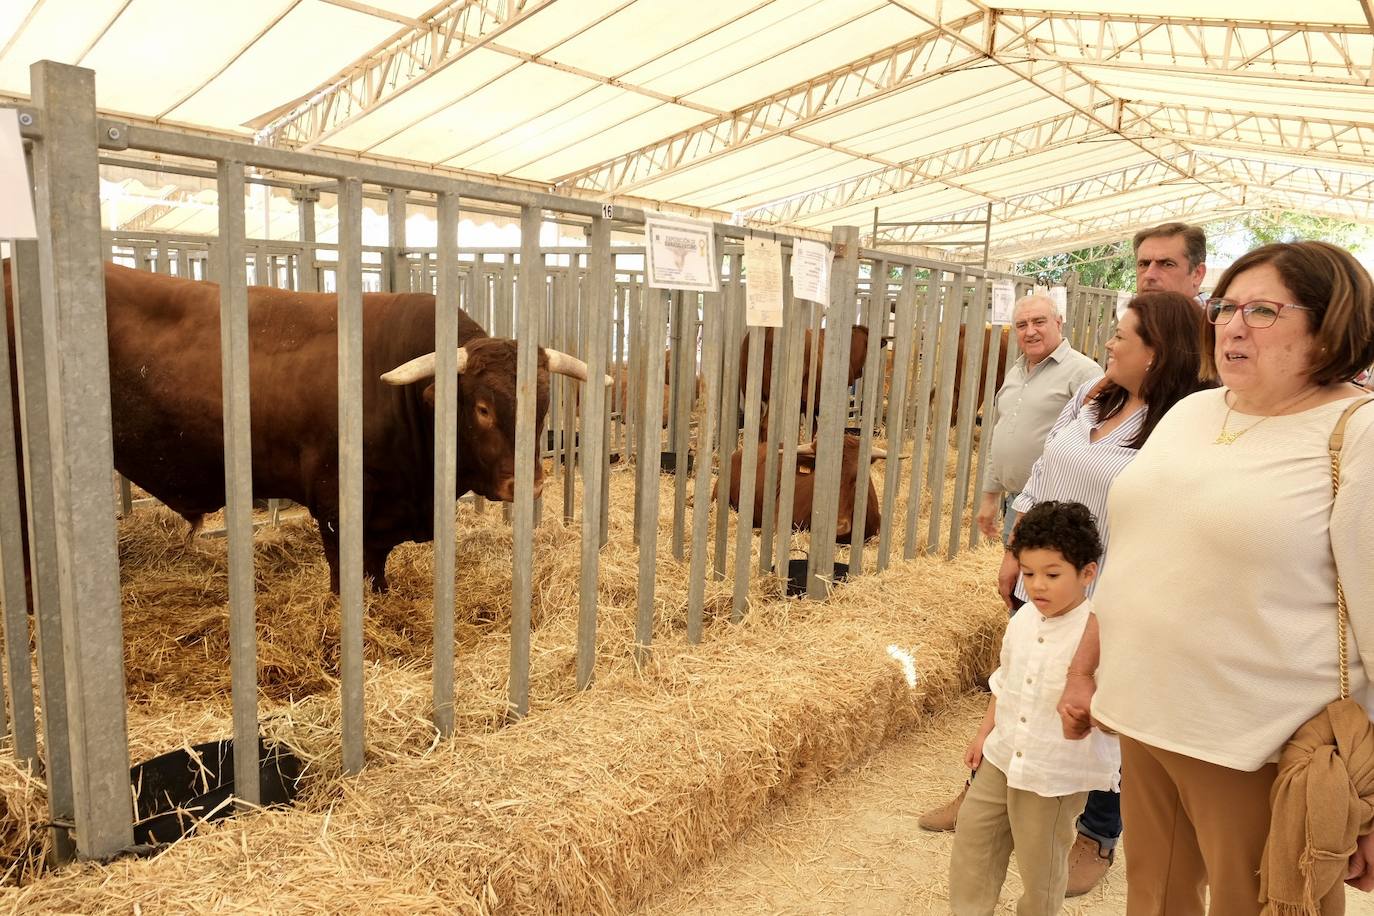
[1067,527]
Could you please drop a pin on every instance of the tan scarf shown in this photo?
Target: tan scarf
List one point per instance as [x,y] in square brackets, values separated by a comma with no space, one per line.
[1322,800]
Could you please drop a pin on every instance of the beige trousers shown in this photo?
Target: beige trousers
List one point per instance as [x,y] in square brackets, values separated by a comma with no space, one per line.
[993,820]
[1195,827]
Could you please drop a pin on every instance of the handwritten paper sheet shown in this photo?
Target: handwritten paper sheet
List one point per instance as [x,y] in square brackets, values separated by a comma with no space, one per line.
[763,282]
[16,205]
[1003,301]
[811,271]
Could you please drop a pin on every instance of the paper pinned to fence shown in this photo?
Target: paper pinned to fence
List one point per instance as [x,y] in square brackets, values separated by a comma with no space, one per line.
[763,282]
[1060,295]
[680,253]
[1003,301]
[811,271]
[16,204]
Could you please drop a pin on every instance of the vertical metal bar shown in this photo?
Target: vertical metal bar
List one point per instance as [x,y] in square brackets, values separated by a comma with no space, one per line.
[527,375]
[599,301]
[684,390]
[33,358]
[748,474]
[238,479]
[987,235]
[651,402]
[567,306]
[951,318]
[974,324]
[19,676]
[73,284]
[869,413]
[989,399]
[770,527]
[713,347]
[445,456]
[396,266]
[349,280]
[733,335]
[783,403]
[902,351]
[834,407]
[930,330]
[309,274]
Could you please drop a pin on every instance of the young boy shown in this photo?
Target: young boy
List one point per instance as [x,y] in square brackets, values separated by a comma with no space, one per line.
[1032,782]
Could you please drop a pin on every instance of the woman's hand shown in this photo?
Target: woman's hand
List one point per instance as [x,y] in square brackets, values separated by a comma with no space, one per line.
[1007,576]
[1075,705]
[1360,873]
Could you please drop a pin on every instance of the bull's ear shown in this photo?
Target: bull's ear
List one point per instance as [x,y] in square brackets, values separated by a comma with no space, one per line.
[428,395]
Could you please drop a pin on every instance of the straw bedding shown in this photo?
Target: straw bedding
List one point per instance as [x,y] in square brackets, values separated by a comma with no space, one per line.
[589,804]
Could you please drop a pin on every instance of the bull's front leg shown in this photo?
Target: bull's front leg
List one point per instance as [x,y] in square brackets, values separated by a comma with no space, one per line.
[374,557]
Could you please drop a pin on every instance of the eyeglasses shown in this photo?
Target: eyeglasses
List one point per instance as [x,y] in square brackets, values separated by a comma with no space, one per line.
[1257,313]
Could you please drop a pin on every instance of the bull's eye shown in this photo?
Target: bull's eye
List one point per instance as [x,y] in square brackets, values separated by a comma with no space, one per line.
[483,412]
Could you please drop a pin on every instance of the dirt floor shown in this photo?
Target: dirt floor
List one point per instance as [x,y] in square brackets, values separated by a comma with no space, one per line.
[853,845]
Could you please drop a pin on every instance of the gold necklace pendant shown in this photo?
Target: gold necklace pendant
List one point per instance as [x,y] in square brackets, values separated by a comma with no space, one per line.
[1226,437]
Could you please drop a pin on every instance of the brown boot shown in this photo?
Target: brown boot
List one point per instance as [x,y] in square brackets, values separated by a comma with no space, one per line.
[944,817]
[1087,865]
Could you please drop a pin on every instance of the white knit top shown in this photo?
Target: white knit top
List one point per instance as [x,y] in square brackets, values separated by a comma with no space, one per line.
[1218,610]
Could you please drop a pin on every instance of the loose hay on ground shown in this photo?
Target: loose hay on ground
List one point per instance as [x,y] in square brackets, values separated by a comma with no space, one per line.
[594,799]
[597,800]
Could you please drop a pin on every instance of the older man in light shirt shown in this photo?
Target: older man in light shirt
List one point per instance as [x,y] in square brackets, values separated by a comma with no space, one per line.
[1037,387]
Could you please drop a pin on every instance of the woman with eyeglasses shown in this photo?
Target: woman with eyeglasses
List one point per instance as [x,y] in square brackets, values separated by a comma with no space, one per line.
[1217,614]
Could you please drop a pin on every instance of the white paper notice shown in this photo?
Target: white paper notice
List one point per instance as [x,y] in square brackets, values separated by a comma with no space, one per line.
[16,205]
[1003,301]
[763,282]
[1060,295]
[811,271]
[1122,297]
[681,254]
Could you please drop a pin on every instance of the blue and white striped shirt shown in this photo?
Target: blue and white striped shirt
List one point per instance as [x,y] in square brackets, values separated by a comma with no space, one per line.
[1073,467]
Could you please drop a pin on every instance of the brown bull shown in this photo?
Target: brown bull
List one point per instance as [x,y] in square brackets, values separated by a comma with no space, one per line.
[804,484]
[1000,376]
[167,417]
[621,374]
[858,354]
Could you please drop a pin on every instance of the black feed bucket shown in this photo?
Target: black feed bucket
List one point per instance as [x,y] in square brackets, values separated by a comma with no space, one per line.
[796,576]
[178,790]
[667,462]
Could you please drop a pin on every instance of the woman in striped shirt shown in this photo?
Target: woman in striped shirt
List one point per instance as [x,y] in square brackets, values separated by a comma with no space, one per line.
[1155,359]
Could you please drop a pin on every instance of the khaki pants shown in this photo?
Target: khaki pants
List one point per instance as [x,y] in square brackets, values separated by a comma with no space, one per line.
[1195,826]
[993,820]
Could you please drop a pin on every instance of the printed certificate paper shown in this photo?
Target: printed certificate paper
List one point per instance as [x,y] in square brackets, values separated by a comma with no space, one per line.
[811,271]
[1003,301]
[1060,295]
[16,206]
[681,254]
[763,282]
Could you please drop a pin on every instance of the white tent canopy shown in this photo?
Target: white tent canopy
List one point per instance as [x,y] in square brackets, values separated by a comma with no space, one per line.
[1074,125]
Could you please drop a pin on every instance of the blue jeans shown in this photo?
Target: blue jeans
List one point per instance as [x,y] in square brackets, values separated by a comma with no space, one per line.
[1101,819]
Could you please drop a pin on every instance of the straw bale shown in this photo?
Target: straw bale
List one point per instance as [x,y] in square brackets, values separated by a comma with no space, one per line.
[588,804]
[597,800]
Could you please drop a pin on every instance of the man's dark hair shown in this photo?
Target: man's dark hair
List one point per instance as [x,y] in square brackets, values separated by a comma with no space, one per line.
[1067,527]
[1194,240]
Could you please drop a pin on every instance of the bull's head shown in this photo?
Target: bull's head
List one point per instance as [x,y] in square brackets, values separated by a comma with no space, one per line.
[486,409]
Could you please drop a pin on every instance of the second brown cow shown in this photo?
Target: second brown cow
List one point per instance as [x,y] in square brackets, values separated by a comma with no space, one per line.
[804,485]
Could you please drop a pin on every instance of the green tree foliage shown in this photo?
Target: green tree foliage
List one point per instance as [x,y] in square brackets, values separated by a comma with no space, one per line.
[1103,266]
[1234,237]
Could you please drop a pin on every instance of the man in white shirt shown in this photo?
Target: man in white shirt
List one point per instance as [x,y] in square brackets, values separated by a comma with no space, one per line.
[1036,388]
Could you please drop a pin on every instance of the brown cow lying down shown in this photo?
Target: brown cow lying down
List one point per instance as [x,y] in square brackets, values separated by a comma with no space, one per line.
[858,353]
[168,425]
[803,488]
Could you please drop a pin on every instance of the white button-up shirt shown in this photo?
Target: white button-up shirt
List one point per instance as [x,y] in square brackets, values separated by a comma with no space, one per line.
[1027,740]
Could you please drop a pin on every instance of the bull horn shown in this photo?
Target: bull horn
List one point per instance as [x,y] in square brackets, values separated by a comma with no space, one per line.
[877,454]
[563,364]
[807,449]
[421,367]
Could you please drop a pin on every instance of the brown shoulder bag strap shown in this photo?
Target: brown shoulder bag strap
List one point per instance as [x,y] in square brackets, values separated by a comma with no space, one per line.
[1342,615]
